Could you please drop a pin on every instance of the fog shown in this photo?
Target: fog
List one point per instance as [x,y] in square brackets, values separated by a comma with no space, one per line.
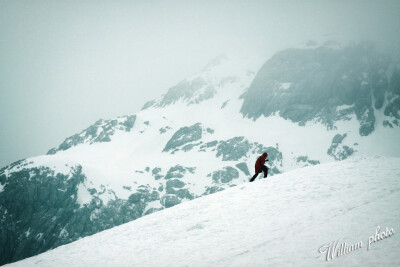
[66,64]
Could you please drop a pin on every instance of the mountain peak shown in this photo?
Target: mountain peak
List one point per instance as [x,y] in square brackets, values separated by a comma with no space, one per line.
[216,62]
[221,72]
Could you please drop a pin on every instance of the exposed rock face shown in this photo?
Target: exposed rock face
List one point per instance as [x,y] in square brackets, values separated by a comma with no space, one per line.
[40,210]
[233,149]
[243,167]
[306,161]
[33,204]
[392,109]
[178,171]
[339,151]
[101,131]
[183,136]
[315,84]
[226,175]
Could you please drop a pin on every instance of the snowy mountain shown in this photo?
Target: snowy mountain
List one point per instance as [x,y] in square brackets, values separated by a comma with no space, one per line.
[327,85]
[304,107]
[290,219]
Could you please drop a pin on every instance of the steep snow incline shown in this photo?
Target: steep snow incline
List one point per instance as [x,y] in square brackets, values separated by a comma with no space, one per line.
[284,219]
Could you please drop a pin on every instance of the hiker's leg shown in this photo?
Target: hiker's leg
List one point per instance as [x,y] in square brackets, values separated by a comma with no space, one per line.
[265,170]
[254,177]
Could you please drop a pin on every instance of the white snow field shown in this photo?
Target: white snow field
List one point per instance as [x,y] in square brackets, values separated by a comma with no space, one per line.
[279,221]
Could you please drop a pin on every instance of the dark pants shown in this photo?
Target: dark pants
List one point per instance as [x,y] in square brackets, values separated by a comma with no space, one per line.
[264,169]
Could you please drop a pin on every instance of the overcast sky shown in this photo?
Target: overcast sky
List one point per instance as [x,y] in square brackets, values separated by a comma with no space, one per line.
[66,64]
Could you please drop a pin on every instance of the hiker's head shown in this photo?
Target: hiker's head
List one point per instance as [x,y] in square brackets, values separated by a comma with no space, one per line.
[265,154]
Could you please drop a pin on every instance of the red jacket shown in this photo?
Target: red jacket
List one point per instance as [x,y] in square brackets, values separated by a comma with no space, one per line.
[260,162]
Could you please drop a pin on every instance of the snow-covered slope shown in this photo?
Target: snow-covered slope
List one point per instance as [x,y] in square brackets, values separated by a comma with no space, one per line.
[202,136]
[282,220]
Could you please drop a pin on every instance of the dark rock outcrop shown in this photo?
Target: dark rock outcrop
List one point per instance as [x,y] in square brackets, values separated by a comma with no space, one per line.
[101,131]
[339,151]
[226,175]
[310,84]
[184,136]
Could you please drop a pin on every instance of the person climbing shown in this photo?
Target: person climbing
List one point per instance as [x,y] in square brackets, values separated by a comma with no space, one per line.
[260,167]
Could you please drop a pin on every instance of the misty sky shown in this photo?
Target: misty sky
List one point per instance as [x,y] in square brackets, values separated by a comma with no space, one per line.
[66,64]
